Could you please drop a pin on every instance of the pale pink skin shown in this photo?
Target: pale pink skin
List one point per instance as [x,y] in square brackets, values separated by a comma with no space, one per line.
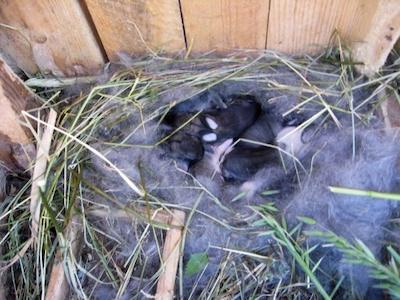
[210,165]
[219,153]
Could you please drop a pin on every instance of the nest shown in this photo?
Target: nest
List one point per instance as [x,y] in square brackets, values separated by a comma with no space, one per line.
[121,175]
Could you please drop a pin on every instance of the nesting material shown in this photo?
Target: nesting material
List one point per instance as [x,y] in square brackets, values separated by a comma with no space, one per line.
[39,171]
[374,166]
[58,288]
[171,255]
[213,161]
[224,141]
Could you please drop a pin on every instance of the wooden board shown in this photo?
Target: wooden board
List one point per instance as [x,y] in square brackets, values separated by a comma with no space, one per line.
[49,35]
[66,37]
[14,137]
[307,26]
[58,287]
[225,24]
[138,26]
[375,45]
[14,97]
[170,258]
[362,20]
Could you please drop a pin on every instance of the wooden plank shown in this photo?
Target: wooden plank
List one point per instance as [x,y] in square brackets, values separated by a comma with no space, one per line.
[362,20]
[225,24]
[15,139]
[170,257]
[138,26]
[381,37]
[49,35]
[307,26]
[58,287]
[14,97]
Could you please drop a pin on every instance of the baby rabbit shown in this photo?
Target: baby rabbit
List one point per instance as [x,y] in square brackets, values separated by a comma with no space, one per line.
[229,123]
[246,159]
[184,144]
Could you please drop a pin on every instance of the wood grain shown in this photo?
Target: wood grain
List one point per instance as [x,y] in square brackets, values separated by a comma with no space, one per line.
[15,139]
[307,26]
[58,287]
[49,35]
[138,26]
[225,24]
[14,97]
[58,36]
[170,257]
[362,20]
[375,45]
